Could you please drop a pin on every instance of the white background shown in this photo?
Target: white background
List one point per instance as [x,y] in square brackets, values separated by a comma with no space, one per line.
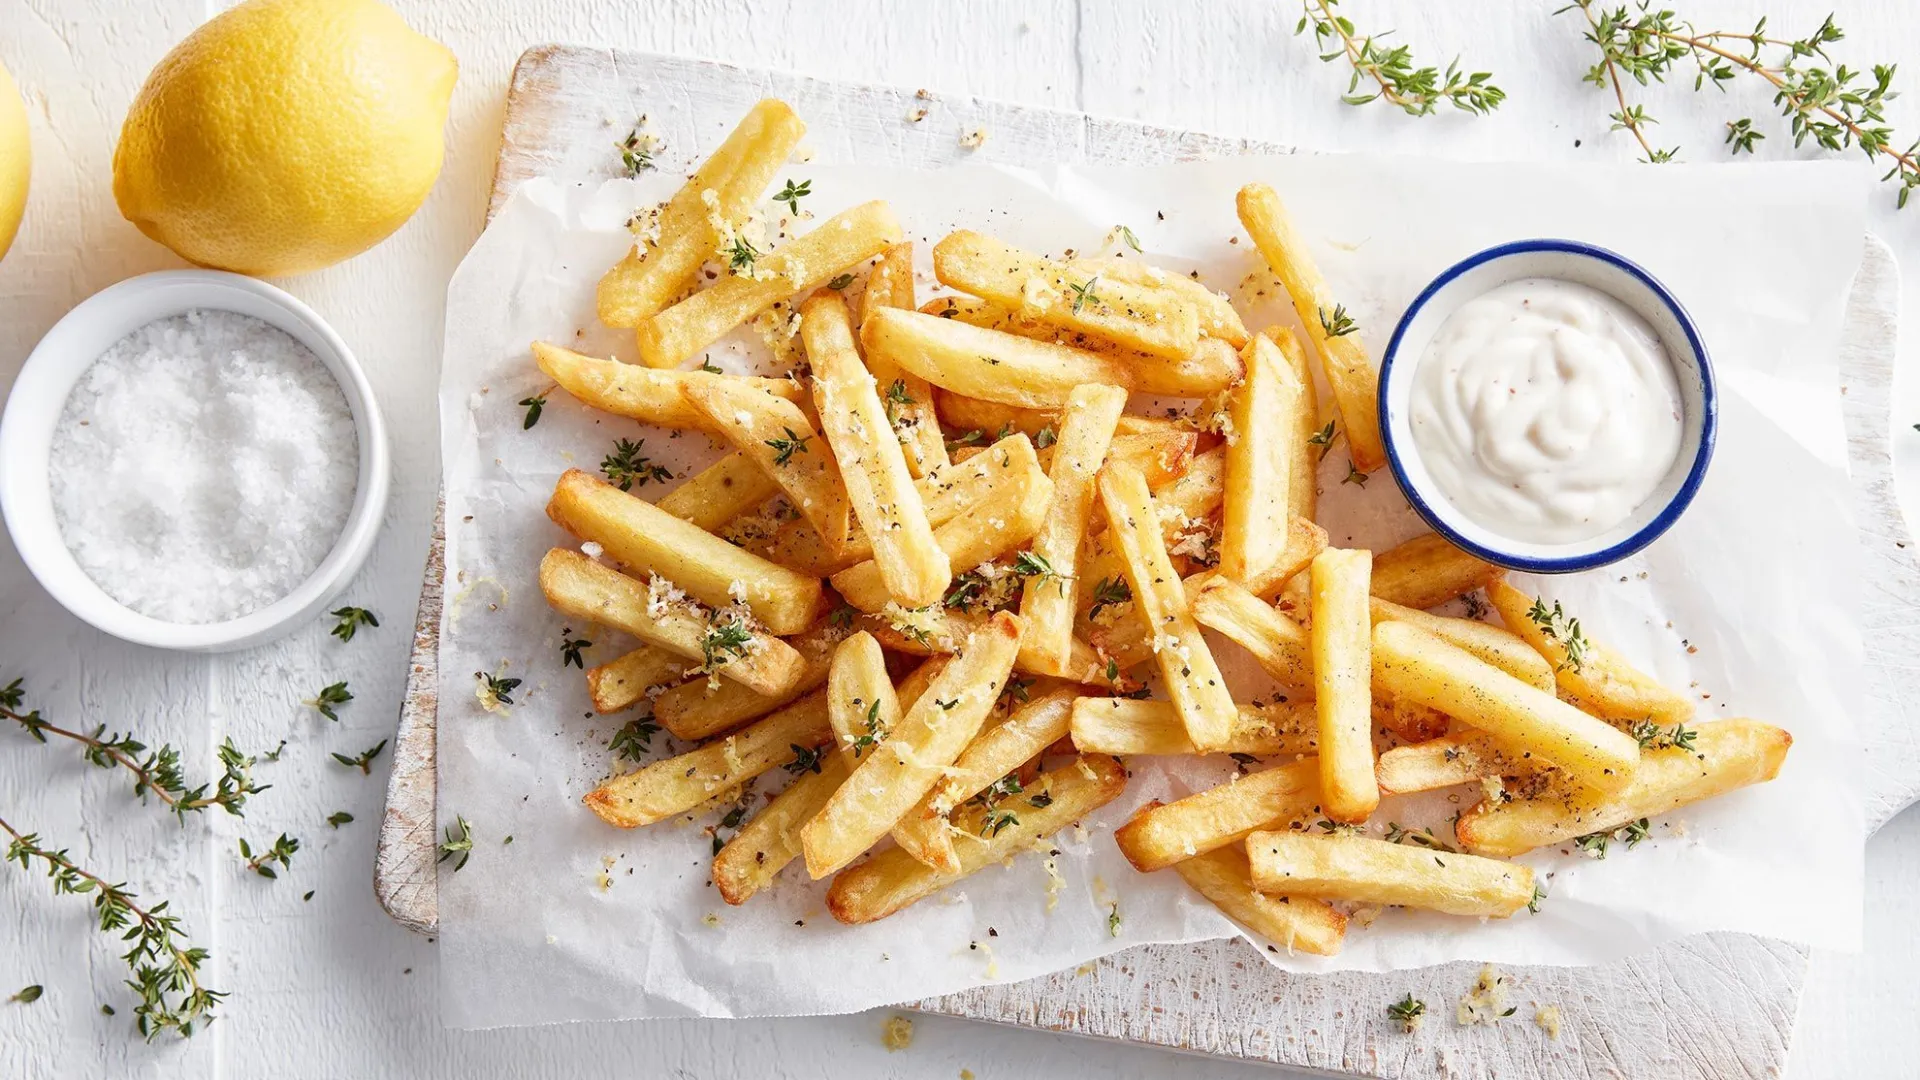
[330,987]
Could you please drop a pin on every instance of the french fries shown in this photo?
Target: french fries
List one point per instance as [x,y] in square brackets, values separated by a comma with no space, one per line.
[722,491]
[647,540]
[1192,678]
[771,838]
[987,364]
[1217,317]
[971,414]
[1124,726]
[677,784]
[1340,641]
[1411,663]
[987,530]
[620,683]
[1049,599]
[1186,501]
[893,879]
[803,264]
[1350,372]
[1598,680]
[1377,872]
[1426,572]
[1305,542]
[1454,758]
[1504,650]
[872,465]
[1304,426]
[707,707]
[1259,461]
[890,781]
[641,393]
[1294,923]
[659,271]
[1279,644]
[909,398]
[578,586]
[1723,755]
[1159,836]
[775,435]
[862,706]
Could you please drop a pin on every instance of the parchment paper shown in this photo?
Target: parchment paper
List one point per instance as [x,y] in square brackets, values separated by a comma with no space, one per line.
[1751,602]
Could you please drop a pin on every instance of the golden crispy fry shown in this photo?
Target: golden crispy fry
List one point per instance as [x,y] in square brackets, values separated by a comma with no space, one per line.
[641,393]
[889,782]
[1005,520]
[1350,372]
[620,683]
[771,838]
[658,272]
[646,540]
[1149,318]
[1259,461]
[1603,682]
[722,491]
[1456,758]
[1192,678]
[1724,755]
[1159,836]
[861,703]
[939,630]
[580,587]
[971,414]
[909,398]
[872,464]
[1217,317]
[1426,572]
[1161,457]
[1049,600]
[1411,663]
[703,708]
[1377,872]
[776,436]
[988,364]
[1305,542]
[803,264]
[1184,503]
[1304,423]
[1293,923]
[677,784]
[1504,650]
[1122,726]
[1279,644]
[1340,640]
[893,879]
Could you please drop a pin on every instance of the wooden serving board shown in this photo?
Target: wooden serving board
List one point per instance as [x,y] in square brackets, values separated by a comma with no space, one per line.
[1717,1005]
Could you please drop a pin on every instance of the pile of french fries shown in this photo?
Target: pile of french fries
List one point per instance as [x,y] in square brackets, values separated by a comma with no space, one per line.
[949,643]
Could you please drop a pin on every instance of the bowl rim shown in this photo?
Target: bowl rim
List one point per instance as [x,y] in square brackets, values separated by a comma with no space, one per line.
[36,536]
[1682,497]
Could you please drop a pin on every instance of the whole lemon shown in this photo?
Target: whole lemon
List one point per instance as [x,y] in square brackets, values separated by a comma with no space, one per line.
[285,135]
[16,160]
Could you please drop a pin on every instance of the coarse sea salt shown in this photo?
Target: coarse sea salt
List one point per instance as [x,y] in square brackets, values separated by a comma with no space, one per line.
[203,467]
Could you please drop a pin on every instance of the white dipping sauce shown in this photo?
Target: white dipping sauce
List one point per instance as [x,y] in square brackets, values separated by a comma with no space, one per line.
[1546,411]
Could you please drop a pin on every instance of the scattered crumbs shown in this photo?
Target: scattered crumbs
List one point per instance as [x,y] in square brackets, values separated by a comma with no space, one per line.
[973,139]
[966,1074]
[1365,915]
[1548,1019]
[1084,969]
[1486,1001]
[914,116]
[551,940]
[605,878]
[803,153]
[710,919]
[897,1034]
[592,550]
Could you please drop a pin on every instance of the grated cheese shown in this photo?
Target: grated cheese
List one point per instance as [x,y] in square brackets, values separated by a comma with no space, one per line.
[897,1033]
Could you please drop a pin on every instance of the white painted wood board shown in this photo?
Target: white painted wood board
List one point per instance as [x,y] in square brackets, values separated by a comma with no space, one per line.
[1728,1000]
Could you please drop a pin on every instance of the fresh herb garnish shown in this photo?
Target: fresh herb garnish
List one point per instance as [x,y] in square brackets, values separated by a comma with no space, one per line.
[1044,438]
[1083,294]
[496,690]
[1556,625]
[351,620]
[1323,439]
[339,818]
[946,704]
[627,466]
[27,995]
[1539,894]
[1423,838]
[458,845]
[711,368]
[897,396]
[1594,844]
[996,820]
[533,405]
[1126,235]
[1028,564]
[1408,1011]
[1354,475]
[725,643]
[636,150]
[805,759]
[876,732]
[741,256]
[843,616]
[1108,592]
[794,443]
[840,282]
[1338,324]
[1040,800]
[570,647]
[634,739]
[328,697]
[1416,91]
[1019,690]
[792,194]
[1113,919]
[280,852]
[363,762]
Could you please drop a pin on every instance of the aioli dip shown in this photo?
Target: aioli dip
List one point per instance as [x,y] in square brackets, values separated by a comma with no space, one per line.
[1546,411]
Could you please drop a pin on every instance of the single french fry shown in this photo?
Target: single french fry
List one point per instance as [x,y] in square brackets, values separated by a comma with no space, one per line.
[1006,519]
[999,750]
[775,435]
[703,708]
[872,464]
[1603,682]
[1723,755]
[1280,645]
[893,879]
[722,491]
[971,414]
[1411,663]
[771,838]
[887,783]
[936,631]
[1123,726]
[1217,317]
[1377,872]
[1192,678]
[1302,423]
[1455,758]
[861,703]
[677,784]
[803,264]
[641,393]
[1426,572]
[1350,372]
[1293,923]
[620,683]
[1340,640]
[909,398]
[1305,542]
[1149,318]
[1503,649]
[580,587]
[659,271]
[987,364]
[1159,836]
[1259,462]
[1212,366]
[647,540]
[1049,600]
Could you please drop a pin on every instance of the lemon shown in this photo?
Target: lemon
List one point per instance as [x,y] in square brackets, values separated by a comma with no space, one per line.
[16,160]
[285,135]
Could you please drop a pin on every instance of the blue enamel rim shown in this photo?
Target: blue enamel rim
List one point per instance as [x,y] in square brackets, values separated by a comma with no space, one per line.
[1709,420]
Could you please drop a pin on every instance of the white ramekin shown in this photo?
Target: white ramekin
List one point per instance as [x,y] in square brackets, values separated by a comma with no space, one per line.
[40,394]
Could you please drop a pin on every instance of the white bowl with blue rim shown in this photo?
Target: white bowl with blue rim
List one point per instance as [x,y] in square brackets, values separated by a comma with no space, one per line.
[1603,271]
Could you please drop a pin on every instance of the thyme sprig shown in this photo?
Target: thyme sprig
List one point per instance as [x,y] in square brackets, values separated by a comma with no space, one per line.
[1323,439]
[784,449]
[495,690]
[1337,323]
[792,194]
[636,150]
[280,851]
[634,740]
[1416,91]
[363,762]
[1408,1011]
[725,643]
[570,648]
[351,620]
[534,405]
[1028,564]
[626,466]
[741,257]
[458,845]
[164,965]
[329,696]
[1555,623]
[1109,592]
[1084,294]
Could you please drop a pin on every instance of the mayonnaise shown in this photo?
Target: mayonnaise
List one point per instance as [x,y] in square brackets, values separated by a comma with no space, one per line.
[1546,411]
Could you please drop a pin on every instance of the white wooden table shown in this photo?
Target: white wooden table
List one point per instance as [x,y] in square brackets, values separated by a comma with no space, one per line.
[330,987]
